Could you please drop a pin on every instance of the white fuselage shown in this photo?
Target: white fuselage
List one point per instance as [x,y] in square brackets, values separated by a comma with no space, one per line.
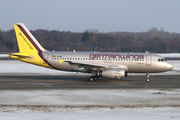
[131,62]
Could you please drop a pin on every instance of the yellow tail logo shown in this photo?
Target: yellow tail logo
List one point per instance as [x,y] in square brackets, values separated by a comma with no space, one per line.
[29,48]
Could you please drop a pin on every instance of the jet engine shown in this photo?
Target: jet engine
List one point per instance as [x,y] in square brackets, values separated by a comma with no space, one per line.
[112,73]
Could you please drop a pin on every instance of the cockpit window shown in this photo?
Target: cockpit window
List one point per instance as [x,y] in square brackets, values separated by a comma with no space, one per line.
[162,59]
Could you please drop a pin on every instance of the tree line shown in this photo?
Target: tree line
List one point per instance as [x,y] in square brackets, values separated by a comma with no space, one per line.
[153,40]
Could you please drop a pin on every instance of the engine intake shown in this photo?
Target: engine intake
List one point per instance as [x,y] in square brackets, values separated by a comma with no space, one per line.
[112,73]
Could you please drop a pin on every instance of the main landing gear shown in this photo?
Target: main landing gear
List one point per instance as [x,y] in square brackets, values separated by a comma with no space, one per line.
[148,78]
[93,78]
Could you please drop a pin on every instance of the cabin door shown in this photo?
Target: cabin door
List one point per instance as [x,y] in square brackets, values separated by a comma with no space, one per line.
[148,60]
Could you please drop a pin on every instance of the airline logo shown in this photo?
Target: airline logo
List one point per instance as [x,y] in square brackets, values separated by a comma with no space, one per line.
[26,41]
[116,56]
[60,60]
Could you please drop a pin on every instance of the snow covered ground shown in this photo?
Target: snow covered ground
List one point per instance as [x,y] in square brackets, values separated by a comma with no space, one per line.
[93,98]
[17,67]
[169,55]
[98,114]
[4,56]
[106,104]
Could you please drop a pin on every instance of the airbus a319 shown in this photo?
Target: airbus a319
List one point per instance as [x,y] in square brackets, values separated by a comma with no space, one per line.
[115,65]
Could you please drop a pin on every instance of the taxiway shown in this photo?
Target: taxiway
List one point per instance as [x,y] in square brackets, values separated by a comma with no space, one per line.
[81,82]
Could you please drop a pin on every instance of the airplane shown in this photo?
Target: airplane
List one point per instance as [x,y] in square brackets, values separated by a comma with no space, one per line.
[111,65]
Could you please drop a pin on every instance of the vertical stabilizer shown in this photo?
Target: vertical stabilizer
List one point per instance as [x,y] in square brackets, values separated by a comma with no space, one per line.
[26,41]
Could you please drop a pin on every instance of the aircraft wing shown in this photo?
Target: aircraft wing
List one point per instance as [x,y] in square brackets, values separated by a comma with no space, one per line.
[92,65]
[86,65]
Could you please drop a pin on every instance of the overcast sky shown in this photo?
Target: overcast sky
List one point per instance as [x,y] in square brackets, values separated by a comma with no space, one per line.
[80,15]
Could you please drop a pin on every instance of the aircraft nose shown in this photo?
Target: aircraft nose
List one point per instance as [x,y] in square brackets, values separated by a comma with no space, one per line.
[169,66]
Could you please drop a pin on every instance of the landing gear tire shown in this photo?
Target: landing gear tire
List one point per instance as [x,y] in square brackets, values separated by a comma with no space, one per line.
[96,78]
[91,79]
[148,80]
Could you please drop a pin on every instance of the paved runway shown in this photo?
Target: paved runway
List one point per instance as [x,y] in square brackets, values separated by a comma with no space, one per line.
[81,82]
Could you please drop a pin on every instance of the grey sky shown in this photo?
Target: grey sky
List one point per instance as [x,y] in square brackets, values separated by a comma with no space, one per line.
[80,15]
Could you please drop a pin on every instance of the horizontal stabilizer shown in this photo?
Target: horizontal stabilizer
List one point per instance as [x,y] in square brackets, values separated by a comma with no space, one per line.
[19,55]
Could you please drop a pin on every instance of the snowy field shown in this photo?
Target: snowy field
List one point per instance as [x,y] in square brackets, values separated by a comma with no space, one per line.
[97,114]
[106,104]
[138,104]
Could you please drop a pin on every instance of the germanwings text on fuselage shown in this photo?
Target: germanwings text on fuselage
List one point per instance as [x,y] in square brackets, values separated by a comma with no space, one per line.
[115,56]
